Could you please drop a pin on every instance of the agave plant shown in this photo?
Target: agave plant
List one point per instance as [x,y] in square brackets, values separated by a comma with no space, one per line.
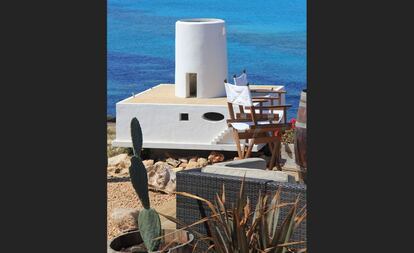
[148,219]
[240,230]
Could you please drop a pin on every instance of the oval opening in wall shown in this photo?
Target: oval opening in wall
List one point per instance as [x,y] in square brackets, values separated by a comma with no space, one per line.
[213,116]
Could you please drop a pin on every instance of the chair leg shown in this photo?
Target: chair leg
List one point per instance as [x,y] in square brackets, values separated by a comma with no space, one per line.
[237,141]
[245,146]
[249,149]
[278,157]
[273,158]
[270,147]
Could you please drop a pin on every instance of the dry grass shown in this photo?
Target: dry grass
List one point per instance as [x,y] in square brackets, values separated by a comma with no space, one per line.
[110,136]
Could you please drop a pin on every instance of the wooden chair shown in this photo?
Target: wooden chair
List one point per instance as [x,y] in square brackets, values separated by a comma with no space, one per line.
[255,124]
[273,96]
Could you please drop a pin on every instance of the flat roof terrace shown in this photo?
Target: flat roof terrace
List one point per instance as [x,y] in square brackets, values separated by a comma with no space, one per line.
[165,94]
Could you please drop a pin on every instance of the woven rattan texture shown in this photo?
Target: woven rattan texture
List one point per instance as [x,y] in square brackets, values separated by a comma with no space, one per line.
[208,185]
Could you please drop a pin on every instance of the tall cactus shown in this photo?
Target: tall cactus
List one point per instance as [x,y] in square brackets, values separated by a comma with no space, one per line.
[148,219]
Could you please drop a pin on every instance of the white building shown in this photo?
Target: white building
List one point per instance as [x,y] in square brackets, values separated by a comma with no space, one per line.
[200,58]
[192,113]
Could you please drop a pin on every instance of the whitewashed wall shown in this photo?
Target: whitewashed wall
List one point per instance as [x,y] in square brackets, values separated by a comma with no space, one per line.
[200,47]
[161,125]
[161,122]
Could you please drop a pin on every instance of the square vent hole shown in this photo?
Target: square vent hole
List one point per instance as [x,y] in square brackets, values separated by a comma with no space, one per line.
[183,116]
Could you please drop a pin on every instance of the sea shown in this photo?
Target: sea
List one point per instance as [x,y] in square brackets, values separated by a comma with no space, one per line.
[266,38]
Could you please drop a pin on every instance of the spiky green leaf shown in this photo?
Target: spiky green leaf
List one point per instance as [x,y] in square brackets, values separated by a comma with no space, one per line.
[273,215]
[284,233]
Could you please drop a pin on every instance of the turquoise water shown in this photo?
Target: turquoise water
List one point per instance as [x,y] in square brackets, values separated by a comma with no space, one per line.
[267,38]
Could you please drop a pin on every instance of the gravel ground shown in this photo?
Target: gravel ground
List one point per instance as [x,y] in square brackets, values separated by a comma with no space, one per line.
[122,195]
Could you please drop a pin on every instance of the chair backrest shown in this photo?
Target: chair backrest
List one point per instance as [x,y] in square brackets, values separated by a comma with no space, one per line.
[241,80]
[238,95]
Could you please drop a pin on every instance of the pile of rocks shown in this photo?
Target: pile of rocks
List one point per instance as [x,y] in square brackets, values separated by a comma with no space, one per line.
[161,174]
[118,166]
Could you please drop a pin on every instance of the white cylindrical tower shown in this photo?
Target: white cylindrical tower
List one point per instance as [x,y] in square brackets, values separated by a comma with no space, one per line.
[200,58]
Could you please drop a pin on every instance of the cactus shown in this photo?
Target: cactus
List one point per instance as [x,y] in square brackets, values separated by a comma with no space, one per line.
[148,219]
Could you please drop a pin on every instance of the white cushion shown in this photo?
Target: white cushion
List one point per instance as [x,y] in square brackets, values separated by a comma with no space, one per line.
[279,112]
[278,176]
[241,80]
[243,126]
[239,95]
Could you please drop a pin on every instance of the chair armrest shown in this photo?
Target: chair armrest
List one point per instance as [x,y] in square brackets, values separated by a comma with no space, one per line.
[264,90]
[238,120]
[268,107]
[258,117]
[269,127]
[254,99]
[266,98]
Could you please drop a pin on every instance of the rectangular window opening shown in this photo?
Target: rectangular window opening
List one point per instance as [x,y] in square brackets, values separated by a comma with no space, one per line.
[183,116]
[192,84]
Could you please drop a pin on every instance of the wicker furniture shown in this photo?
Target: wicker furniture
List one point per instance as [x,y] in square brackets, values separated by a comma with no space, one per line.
[206,185]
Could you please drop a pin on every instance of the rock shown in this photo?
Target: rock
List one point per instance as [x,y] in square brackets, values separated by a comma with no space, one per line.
[150,175]
[183,160]
[125,164]
[111,169]
[160,164]
[202,161]
[215,157]
[178,169]
[150,168]
[118,166]
[148,163]
[124,172]
[183,165]
[125,218]
[160,175]
[161,178]
[172,183]
[192,165]
[118,172]
[116,160]
[193,159]
[173,162]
